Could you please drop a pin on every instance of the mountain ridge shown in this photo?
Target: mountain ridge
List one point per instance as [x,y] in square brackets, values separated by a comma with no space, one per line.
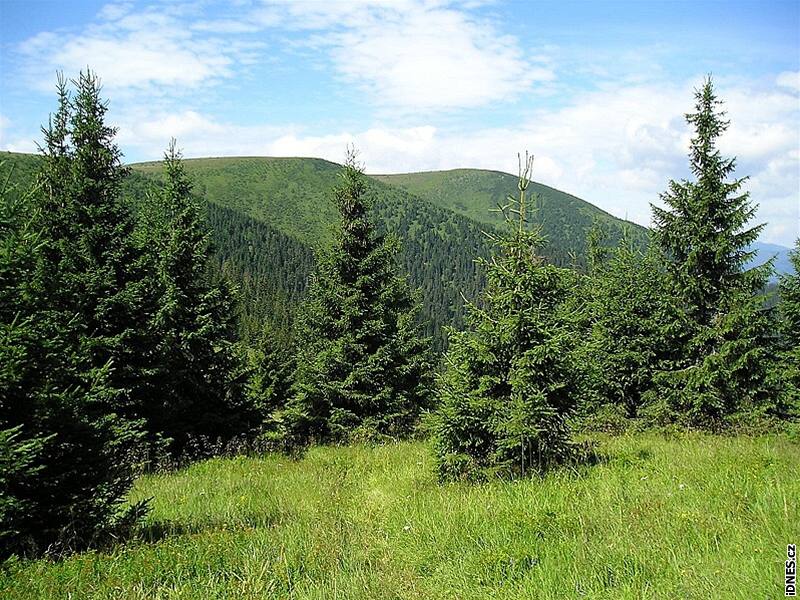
[270,215]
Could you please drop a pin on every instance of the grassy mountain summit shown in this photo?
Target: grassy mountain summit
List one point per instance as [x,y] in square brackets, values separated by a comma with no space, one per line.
[293,195]
[476,193]
[290,194]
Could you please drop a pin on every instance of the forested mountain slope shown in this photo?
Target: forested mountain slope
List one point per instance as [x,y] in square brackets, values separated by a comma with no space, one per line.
[269,214]
[476,193]
[294,196]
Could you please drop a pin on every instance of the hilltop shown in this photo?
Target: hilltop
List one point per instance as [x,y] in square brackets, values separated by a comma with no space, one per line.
[477,193]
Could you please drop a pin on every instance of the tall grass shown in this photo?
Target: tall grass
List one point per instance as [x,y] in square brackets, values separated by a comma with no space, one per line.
[691,516]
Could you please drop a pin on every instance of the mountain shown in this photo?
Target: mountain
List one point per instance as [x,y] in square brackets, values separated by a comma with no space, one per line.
[269,215]
[766,251]
[293,196]
[477,193]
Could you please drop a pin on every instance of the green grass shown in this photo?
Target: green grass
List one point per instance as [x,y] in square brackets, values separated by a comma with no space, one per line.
[693,516]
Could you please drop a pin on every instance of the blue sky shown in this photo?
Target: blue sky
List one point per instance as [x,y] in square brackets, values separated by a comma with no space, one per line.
[596,90]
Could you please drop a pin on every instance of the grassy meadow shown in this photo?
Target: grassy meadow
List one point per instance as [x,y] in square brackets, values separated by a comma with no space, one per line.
[688,516]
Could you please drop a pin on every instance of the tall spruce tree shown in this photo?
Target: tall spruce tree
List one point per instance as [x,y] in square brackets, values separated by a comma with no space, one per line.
[704,235]
[509,382]
[196,391]
[92,267]
[363,368]
[68,309]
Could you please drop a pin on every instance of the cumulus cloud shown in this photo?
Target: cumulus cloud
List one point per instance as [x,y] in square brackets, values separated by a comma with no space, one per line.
[10,141]
[147,134]
[789,79]
[412,55]
[458,58]
[150,50]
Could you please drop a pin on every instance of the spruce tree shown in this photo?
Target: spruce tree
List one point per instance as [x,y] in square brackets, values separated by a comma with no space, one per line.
[509,381]
[197,390]
[704,236]
[73,456]
[788,364]
[271,365]
[92,269]
[363,368]
[626,341]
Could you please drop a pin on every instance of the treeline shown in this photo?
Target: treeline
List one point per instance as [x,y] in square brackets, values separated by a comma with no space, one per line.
[132,334]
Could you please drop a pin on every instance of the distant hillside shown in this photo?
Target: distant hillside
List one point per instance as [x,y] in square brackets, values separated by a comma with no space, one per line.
[294,196]
[782,264]
[290,194]
[441,233]
[476,193]
[268,216]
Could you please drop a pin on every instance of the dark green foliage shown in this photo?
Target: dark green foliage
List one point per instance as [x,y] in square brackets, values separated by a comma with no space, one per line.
[362,366]
[285,202]
[509,382]
[194,386]
[704,236]
[632,323]
[268,213]
[20,464]
[20,450]
[788,365]
[703,231]
[564,219]
[729,379]
[271,365]
[270,268]
[92,274]
[790,300]
[68,306]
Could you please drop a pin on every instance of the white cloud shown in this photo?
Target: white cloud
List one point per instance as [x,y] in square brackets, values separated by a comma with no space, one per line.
[147,134]
[415,55]
[10,141]
[457,59]
[151,51]
[377,146]
[789,79]
[115,10]
[452,62]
